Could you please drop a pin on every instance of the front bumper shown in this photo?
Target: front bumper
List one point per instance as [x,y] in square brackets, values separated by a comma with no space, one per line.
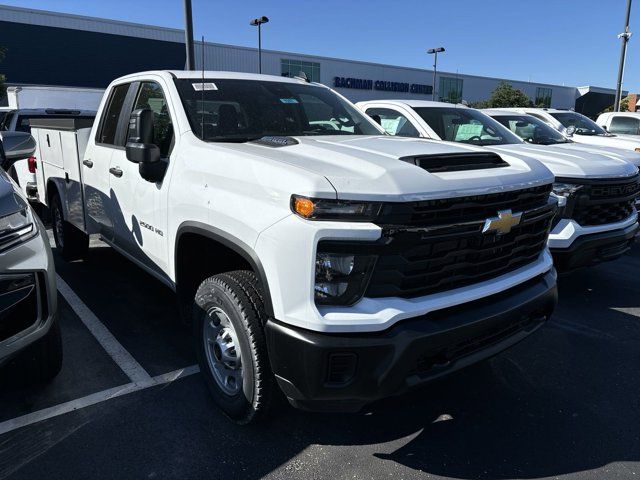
[31,257]
[587,250]
[320,371]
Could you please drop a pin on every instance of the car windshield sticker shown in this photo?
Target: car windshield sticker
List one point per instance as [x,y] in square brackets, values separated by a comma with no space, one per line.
[198,87]
[467,131]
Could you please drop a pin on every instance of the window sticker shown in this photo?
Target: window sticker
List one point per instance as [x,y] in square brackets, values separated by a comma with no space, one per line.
[198,87]
[288,100]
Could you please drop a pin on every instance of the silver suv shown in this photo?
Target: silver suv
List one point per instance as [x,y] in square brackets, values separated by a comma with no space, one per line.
[28,304]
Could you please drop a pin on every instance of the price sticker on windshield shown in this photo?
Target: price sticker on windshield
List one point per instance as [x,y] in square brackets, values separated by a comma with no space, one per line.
[200,86]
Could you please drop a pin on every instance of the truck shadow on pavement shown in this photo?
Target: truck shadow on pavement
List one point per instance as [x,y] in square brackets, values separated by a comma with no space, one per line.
[563,401]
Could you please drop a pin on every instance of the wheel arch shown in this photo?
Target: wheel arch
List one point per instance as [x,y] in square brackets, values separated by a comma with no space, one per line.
[226,242]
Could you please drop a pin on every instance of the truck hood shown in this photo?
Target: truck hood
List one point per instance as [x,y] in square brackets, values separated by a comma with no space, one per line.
[616,141]
[370,167]
[612,152]
[572,163]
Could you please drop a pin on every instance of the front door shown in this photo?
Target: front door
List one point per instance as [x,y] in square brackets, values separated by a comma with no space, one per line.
[141,221]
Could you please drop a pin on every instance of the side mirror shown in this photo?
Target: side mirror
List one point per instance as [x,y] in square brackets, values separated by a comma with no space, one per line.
[15,146]
[604,127]
[571,129]
[376,118]
[140,147]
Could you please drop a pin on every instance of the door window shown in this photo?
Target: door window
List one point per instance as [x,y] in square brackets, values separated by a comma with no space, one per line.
[150,96]
[625,125]
[394,122]
[110,117]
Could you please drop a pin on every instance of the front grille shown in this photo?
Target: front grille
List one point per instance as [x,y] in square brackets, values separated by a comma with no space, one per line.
[599,202]
[443,247]
[18,304]
[462,209]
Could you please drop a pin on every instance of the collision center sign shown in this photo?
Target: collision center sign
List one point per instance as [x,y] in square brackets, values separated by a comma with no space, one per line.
[364,84]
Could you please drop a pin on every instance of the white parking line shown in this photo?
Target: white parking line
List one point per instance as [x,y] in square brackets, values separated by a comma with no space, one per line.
[116,351]
[94,399]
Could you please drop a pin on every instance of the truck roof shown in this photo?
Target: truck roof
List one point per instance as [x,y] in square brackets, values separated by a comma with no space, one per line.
[417,103]
[208,74]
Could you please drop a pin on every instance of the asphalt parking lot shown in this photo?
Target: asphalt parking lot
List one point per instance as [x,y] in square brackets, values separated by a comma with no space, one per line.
[129,402]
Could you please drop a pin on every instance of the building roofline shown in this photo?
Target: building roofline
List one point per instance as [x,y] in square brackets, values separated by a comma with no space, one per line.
[180,32]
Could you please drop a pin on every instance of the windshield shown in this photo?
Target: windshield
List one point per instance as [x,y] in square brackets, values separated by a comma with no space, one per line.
[531,129]
[466,125]
[583,125]
[229,110]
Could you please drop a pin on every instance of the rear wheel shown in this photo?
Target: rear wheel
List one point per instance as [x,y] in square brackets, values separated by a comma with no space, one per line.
[70,241]
[228,318]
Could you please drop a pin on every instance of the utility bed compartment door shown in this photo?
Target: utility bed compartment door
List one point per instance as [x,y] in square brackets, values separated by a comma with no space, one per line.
[60,152]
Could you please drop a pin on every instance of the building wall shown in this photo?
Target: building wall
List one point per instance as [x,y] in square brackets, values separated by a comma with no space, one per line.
[61,49]
[475,88]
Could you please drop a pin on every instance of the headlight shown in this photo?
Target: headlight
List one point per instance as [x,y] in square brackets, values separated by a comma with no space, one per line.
[16,228]
[341,278]
[325,209]
[562,191]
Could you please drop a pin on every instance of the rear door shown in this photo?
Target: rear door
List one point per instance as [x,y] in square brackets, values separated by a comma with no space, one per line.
[109,140]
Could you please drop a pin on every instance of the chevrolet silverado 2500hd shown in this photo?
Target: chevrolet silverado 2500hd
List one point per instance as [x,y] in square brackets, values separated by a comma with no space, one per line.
[597,220]
[581,129]
[313,253]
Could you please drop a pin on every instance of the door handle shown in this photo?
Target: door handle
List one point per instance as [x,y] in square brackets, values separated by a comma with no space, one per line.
[115,171]
[87,163]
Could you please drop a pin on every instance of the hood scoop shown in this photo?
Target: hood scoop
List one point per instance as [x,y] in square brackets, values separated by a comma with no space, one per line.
[457,162]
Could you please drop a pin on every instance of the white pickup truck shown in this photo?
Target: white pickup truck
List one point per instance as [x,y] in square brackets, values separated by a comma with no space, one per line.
[313,253]
[581,129]
[620,123]
[597,220]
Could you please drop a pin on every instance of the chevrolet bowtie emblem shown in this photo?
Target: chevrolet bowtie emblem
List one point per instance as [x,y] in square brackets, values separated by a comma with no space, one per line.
[503,223]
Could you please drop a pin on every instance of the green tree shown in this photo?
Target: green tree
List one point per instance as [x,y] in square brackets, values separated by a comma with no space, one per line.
[504,96]
[624,106]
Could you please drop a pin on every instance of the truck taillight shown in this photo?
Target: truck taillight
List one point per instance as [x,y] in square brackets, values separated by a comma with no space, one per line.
[32,164]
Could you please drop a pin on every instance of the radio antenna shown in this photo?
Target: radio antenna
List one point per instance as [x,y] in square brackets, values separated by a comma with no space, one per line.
[202,93]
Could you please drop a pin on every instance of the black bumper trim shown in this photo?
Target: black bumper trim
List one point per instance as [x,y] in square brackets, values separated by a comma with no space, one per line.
[410,353]
[595,248]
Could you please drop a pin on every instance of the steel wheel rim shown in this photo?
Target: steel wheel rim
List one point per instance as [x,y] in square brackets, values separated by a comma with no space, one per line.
[222,351]
[57,225]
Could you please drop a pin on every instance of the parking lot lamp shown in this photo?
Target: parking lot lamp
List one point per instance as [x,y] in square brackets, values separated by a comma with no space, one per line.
[257,22]
[435,51]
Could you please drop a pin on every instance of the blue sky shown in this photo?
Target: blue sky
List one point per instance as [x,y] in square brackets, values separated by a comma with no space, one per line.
[572,42]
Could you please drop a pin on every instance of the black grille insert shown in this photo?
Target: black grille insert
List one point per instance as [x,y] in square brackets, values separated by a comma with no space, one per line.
[599,202]
[453,211]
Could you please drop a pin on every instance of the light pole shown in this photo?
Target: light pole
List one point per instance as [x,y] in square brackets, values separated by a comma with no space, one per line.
[188,35]
[624,36]
[435,52]
[257,22]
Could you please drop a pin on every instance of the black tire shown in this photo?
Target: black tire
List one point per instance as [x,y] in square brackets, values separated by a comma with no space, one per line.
[44,358]
[72,243]
[237,295]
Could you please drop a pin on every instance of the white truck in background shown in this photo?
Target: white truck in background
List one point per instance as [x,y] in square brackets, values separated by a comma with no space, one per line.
[314,255]
[597,219]
[29,102]
[50,96]
[620,123]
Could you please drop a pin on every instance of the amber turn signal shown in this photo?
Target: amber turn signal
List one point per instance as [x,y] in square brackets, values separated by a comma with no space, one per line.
[303,206]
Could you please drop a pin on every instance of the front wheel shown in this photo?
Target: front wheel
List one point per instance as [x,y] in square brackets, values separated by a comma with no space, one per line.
[228,319]
[70,241]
